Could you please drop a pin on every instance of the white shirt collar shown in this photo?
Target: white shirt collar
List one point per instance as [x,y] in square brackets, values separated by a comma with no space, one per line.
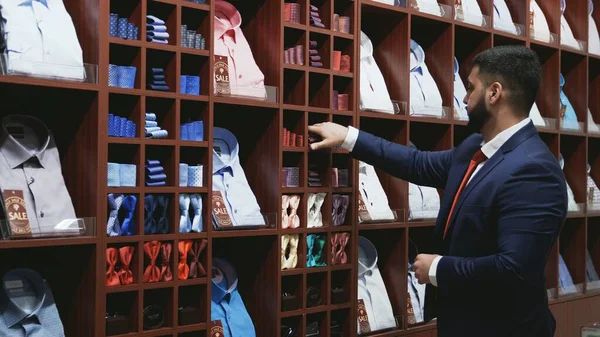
[491,147]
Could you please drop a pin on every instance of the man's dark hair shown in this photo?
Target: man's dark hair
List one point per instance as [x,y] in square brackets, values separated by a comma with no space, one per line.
[517,68]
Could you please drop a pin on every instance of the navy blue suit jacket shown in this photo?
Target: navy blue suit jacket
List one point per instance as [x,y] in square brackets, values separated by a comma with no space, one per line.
[491,279]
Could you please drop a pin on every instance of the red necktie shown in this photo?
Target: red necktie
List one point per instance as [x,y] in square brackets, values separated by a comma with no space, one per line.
[477,159]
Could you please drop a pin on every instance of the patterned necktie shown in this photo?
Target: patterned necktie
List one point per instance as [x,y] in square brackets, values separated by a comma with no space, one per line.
[185,225]
[183,175]
[113,227]
[196,201]
[195,176]
[478,158]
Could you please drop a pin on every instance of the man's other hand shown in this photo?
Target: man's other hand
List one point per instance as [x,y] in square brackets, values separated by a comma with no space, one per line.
[421,267]
[332,135]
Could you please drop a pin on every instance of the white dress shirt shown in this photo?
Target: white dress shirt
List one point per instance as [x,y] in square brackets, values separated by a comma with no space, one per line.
[417,296]
[41,39]
[423,202]
[371,288]
[372,192]
[374,94]
[460,92]
[425,97]
[566,34]
[502,18]
[592,126]
[572,204]
[428,6]
[536,117]
[472,12]
[593,35]
[541,30]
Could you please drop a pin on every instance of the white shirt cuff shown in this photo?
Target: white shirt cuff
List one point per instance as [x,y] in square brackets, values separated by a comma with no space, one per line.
[433,271]
[351,138]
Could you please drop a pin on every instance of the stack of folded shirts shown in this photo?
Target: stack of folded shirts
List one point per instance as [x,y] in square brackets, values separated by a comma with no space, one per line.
[120,127]
[315,59]
[156,30]
[314,179]
[291,139]
[152,129]
[191,39]
[189,85]
[121,27]
[341,24]
[158,80]
[121,76]
[155,174]
[122,175]
[191,175]
[290,177]
[341,62]
[294,55]
[291,12]
[192,131]
[315,20]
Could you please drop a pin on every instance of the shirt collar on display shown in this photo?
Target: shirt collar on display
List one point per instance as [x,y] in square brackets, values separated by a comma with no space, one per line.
[491,147]
[14,313]
[230,21]
[417,56]
[561,81]
[229,155]
[15,152]
[224,281]
[366,46]
[563,6]
[456,67]
[367,255]
[591,7]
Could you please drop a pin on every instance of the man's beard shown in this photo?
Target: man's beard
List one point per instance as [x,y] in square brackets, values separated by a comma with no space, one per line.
[478,116]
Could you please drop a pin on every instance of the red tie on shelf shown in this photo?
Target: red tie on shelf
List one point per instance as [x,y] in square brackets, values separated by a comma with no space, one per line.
[125,274]
[112,278]
[196,267]
[183,270]
[477,159]
[166,274]
[152,272]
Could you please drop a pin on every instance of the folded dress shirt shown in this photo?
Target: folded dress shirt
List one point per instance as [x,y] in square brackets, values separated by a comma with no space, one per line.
[566,34]
[593,35]
[471,13]
[226,303]
[41,39]
[503,19]
[541,30]
[592,126]
[372,194]
[425,97]
[374,94]
[417,295]
[30,163]
[536,116]
[566,281]
[427,6]
[372,290]
[229,179]
[245,77]
[572,204]
[28,306]
[591,274]
[460,92]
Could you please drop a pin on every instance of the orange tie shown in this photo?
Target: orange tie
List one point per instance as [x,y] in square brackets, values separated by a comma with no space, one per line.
[477,159]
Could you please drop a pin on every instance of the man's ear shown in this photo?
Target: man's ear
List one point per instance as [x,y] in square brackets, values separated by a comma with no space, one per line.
[496,91]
